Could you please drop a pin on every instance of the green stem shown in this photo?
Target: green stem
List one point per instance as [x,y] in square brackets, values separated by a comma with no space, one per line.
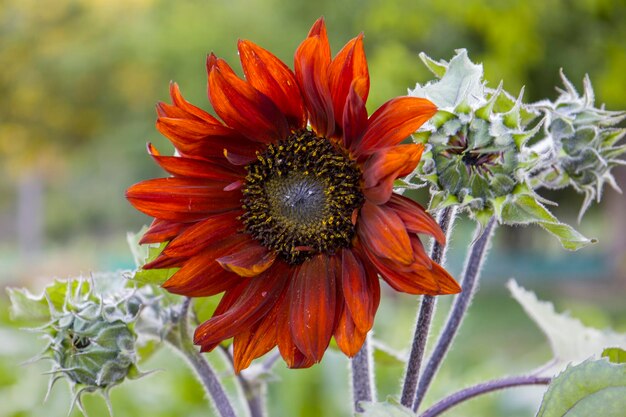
[446,220]
[473,265]
[182,341]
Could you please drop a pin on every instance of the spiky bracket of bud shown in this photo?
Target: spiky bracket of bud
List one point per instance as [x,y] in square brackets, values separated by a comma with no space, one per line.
[580,146]
[89,331]
[477,154]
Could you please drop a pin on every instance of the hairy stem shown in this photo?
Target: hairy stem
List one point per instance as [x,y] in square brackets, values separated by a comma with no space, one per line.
[253,391]
[361,377]
[182,341]
[427,308]
[484,388]
[473,264]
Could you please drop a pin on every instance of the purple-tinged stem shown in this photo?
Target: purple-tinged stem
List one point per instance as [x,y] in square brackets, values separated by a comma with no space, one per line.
[483,388]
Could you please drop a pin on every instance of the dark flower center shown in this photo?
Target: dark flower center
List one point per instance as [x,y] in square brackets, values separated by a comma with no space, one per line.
[471,158]
[299,197]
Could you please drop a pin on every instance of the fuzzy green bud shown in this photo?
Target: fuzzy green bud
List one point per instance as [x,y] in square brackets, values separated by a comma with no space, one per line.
[476,155]
[580,147]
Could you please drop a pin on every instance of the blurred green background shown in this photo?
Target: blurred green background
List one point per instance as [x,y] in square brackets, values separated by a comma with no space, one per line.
[79,80]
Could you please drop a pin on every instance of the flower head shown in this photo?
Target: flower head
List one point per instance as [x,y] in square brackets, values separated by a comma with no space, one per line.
[286,205]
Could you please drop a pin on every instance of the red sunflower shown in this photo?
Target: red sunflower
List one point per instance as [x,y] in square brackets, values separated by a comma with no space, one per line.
[286,205]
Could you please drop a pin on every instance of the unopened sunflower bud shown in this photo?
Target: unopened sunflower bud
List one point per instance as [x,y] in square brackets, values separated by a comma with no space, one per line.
[477,155]
[476,140]
[581,144]
[90,334]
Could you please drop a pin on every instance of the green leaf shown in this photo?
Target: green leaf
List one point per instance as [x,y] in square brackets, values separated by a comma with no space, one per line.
[140,252]
[525,209]
[384,354]
[154,276]
[462,82]
[567,235]
[26,306]
[593,388]
[436,67]
[615,355]
[570,340]
[390,408]
[205,306]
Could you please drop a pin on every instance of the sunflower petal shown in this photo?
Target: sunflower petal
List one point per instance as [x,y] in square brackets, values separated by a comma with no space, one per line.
[414,279]
[204,234]
[256,341]
[312,311]
[288,349]
[348,336]
[381,230]
[394,121]
[202,275]
[415,217]
[272,77]
[311,67]
[249,260]
[162,231]
[347,67]
[354,119]
[182,199]
[383,167]
[258,297]
[361,290]
[180,166]
[244,108]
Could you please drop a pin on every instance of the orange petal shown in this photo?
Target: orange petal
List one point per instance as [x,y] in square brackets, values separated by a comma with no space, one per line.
[288,349]
[383,167]
[182,104]
[272,77]
[256,300]
[312,296]
[354,119]
[311,67]
[415,218]
[228,300]
[319,29]
[162,231]
[361,290]
[249,260]
[415,278]
[182,199]
[348,336]
[244,108]
[349,65]
[201,275]
[204,234]
[213,169]
[381,230]
[394,121]
[256,341]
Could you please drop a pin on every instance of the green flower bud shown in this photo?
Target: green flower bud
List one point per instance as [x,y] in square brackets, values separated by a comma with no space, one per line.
[581,144]
[476,140]
[90,330]
[476,149]
[89,347]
